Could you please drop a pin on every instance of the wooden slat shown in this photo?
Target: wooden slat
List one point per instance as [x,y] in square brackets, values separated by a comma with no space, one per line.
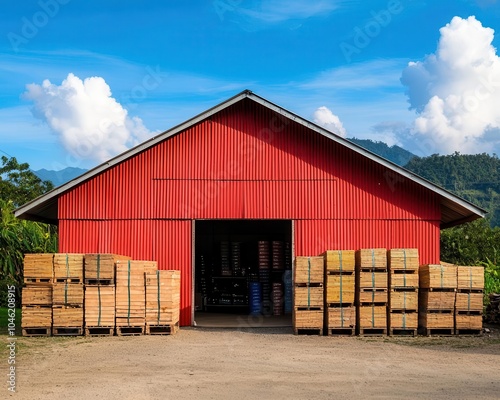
[309,270]
[438,276]
[436,320]
[372,279]
[102,266]
[403,300]
[163,297]
[463,321]
[401,280]
[469,301]
[403,259]
[339,260]
[100,306]
[436,300]
[403,320]
[37,294]
[36,317]
[372,317]
[373,296]
[65,294]
[470,278]
[68,265]
[308,296]
[38,265]
[307,319]
[371,258]
[67,316]
[339,288]
[340,317]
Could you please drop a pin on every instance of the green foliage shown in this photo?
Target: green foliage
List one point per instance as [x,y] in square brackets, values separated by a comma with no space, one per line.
[491,279]
[396,154]
[475,178]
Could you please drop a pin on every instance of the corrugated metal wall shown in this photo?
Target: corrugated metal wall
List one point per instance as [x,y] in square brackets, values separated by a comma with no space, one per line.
[246,162]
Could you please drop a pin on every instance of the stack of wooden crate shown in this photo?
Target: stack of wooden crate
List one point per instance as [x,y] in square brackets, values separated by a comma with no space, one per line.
[37,295]
[308,295]
[162,302]
[402,315]
[371,291]
[436,299]
[340,312]
[99,273]
[130,304]
[67,298]
[469,301]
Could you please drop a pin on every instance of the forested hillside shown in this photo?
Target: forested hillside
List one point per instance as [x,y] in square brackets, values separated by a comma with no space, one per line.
[396,154]
[475,178]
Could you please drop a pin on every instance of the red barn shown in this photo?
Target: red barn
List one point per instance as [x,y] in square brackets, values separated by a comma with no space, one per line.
[243,171]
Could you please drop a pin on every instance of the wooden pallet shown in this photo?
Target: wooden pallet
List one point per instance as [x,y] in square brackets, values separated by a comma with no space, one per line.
[471,278]
[71,281]
[339,260]
[29,280]
[36,316]
[372,331]
[372,316]
[36,331]
[403,299]
[38,266]
[67,331]
[308,295]
[308,331]
[436,319]
[374,279]
[39,294]
[67,316]
[437,331]
[403,259]
[130,330]
[162,329]
[403,319]
[99,330]
[371,258]
[470,320]
[436,299]
[469,332]
[372,296]
[101,267]
[433,276]
[341,331]
[402,332]
[308,317]
[340,317]
[67,293]
[339,288]
[401,279]
[68,266]
[309,270]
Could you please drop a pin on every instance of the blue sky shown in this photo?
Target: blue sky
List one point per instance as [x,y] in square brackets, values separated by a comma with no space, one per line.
[117,72]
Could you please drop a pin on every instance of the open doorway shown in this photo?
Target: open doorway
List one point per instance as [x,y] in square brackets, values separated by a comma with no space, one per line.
[243,273]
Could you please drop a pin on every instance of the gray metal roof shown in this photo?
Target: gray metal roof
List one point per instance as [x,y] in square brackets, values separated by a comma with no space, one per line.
[454,209]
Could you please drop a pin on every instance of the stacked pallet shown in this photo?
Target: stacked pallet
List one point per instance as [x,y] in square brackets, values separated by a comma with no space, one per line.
[308,295]
[99,271]
[340,312]
[371,291]
[162,302]
[402,314]
[67,298]
[130,304]
[264,257]
[469,300]
[37,295]
[436,299]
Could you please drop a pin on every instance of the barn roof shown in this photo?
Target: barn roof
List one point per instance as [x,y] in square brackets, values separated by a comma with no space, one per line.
[454,210]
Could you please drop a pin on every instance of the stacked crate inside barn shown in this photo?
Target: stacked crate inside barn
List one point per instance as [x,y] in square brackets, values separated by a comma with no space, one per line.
[288,280]
[264,256]
[371,291]
[67,304]
[130,305]
[162,301]
[99,275]
[37,295]
[402,316]
[277,268]
[436,299]
[340,312]
[469,300]
[308,295]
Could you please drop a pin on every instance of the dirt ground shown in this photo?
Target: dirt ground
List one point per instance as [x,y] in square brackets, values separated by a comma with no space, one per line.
[256,364]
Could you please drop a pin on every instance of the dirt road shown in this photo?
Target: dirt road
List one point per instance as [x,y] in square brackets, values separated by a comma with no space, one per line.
[258,364]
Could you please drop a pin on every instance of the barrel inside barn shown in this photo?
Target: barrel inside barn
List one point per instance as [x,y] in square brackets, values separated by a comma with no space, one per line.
[231,257]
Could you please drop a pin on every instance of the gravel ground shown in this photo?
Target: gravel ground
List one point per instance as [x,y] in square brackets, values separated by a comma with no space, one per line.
[256,364]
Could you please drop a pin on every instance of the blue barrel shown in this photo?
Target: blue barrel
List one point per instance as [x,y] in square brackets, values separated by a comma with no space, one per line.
[255,297]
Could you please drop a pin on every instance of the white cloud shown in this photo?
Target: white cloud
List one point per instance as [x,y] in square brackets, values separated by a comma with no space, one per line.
[456,91]
[88,121]
[328,120]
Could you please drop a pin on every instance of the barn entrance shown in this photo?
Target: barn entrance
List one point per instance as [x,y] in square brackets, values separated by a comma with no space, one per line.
[243,273]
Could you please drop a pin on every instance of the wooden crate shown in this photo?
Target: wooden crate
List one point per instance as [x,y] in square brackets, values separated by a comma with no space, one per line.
[340,317]
[34,316]
[436,320]
[37,294]
[39,266]
[403,320]
[471,278]
[67,293]
[308,296]
[101,267]
[372,296]
[430,299]
[68,266]
[339,260]
[371,258]
[434,276]
[402,279]
[339,288]
[64,316]
[403,260]
[130,293]
[162,299]
[372,279]
[372,316]
[403,300]
[468,321]
[99,306]
[469,301]
[309,270]
[307,319]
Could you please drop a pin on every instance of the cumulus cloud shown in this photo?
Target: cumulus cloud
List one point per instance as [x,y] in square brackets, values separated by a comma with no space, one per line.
[456,90]
[328,120]
[88,121]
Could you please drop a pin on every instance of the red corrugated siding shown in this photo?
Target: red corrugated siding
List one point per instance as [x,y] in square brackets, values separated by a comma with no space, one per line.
[246,162]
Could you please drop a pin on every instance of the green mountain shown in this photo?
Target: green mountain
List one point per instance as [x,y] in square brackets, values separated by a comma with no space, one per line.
[59,177]
[396,154]
[475,178]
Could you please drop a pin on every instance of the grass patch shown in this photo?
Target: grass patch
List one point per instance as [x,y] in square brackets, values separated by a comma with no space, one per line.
[4,321]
